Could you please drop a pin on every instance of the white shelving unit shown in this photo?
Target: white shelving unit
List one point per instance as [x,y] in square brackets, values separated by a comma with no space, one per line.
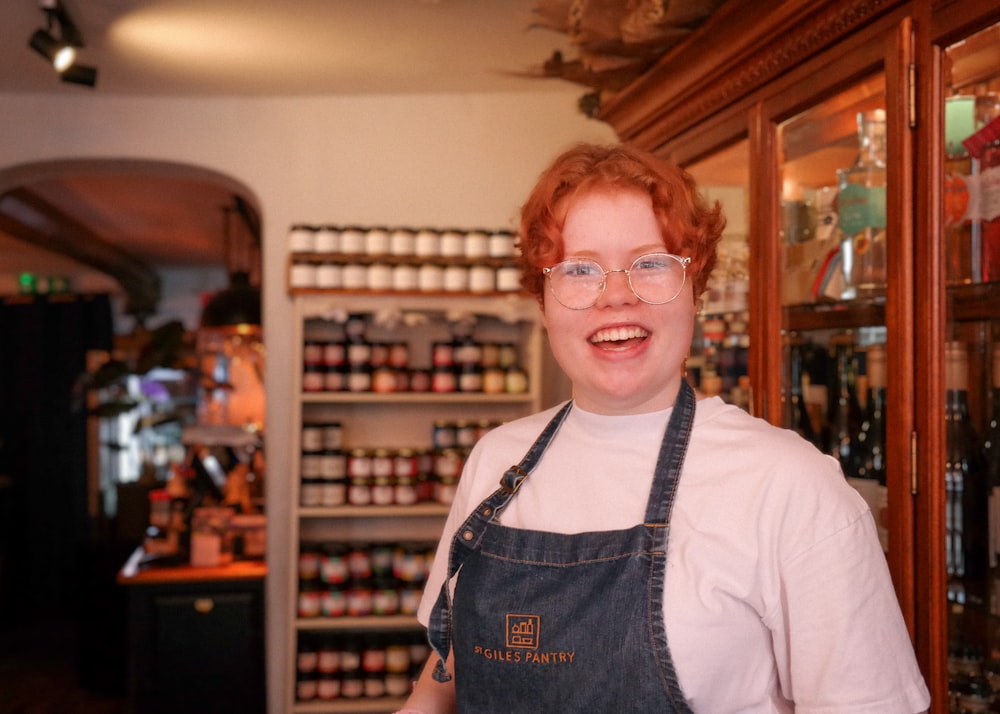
[393,420]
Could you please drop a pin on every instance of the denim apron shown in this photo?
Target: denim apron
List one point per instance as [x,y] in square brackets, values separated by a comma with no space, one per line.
[551,622]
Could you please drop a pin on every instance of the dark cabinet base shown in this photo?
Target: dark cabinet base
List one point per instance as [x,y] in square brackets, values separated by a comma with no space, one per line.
[197,647]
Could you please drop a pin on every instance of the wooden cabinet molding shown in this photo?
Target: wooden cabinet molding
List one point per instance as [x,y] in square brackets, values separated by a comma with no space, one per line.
[744,46]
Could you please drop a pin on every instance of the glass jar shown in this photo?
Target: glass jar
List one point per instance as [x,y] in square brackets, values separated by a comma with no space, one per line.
[477,245]
[405,277]
[427,243]
[302,238]
[456,278]
[431,278]
[352,241]
[330,276]
[501,244]
[402,243]
[508,278]
[355,276]
[377,241]
[328,240]
[452,244]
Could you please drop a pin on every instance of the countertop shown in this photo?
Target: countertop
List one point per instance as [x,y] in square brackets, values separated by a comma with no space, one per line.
[140,569]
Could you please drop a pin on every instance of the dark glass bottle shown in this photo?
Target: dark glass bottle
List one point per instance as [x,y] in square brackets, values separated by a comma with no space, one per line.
[991,465]
[966,515]
[870,475]
[844,412]
[797,416]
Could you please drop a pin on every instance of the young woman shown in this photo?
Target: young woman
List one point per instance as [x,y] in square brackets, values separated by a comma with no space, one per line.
[634,550]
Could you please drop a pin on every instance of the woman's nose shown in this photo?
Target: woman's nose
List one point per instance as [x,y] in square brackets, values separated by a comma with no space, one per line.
[617,290]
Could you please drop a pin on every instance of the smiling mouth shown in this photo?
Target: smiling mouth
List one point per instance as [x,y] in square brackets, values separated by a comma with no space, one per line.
[618,337]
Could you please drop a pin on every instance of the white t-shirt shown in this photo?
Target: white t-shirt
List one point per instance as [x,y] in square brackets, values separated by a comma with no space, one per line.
[778,597]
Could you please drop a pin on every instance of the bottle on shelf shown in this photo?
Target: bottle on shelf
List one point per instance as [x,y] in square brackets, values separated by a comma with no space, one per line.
[861,211]
[991,464]
[870,475]
[844,418]
[966,514]
[797,416]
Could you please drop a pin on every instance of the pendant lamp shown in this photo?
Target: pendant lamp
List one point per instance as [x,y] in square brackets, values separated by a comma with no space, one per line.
[238,305]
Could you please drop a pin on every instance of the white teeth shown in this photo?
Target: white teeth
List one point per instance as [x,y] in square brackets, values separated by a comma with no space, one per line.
[617,334]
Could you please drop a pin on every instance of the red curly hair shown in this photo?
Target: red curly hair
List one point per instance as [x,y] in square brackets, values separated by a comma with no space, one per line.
[690,226]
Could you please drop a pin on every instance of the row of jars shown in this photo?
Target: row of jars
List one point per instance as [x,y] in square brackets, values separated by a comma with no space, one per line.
[401,242]
[307,272]
[356,365]
[369,597]
[325,439]
[333,666]
[380,477]
[386,379]
[359,580]
[354,347]
[334,563]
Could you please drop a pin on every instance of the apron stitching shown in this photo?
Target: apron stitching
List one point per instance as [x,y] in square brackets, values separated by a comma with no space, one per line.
[545,563]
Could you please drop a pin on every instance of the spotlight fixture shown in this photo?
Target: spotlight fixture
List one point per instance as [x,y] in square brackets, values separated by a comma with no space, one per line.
[60,50]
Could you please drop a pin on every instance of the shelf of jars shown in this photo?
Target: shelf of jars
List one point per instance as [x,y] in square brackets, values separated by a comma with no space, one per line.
[392,392]
[408,261]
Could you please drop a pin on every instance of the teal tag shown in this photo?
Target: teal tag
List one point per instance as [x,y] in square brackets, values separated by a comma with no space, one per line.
[860,207]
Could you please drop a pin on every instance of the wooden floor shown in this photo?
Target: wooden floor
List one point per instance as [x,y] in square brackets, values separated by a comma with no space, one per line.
[40,672]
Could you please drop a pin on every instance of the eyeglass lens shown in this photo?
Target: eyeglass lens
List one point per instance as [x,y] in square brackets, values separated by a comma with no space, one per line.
[578,283]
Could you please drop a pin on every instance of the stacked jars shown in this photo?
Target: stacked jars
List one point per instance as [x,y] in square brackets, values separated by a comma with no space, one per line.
[354,665]
[361,579]
[464,365]
[334,476]
[323,465]
[381,259]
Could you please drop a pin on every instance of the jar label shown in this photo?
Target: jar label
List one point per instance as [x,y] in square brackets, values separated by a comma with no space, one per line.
[860,207]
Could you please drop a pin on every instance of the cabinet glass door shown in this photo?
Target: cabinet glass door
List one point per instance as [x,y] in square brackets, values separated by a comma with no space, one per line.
[834,248]
[719,362]
[970,265]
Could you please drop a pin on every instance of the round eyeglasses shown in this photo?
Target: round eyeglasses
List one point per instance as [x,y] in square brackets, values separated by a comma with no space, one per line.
[654,278]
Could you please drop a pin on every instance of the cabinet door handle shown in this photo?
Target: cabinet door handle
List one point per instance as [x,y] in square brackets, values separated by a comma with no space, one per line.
[204,605]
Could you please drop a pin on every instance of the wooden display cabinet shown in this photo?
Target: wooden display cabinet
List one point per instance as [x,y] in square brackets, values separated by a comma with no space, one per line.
[766,97]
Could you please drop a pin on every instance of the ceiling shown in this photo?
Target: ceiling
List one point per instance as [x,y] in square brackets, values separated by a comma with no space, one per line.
[292,47]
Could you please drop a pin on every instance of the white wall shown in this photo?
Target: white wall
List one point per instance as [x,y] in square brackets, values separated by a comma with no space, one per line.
[440,160]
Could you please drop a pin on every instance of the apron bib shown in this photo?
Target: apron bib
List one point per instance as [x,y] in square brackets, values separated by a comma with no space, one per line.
[551,622]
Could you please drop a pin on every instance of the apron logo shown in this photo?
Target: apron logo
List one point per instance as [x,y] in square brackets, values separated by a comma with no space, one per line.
[522,631]
[522,640]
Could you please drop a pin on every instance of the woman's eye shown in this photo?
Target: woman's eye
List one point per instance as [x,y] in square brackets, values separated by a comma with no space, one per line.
[583,270]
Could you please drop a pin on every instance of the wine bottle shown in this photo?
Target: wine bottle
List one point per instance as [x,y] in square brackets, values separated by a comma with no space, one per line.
[991,463]
[966,514]
[797,416]
[845,413]
[870,476]
[861,211]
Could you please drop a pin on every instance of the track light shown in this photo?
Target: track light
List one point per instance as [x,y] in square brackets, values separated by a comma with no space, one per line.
[80,74]
[61,50]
